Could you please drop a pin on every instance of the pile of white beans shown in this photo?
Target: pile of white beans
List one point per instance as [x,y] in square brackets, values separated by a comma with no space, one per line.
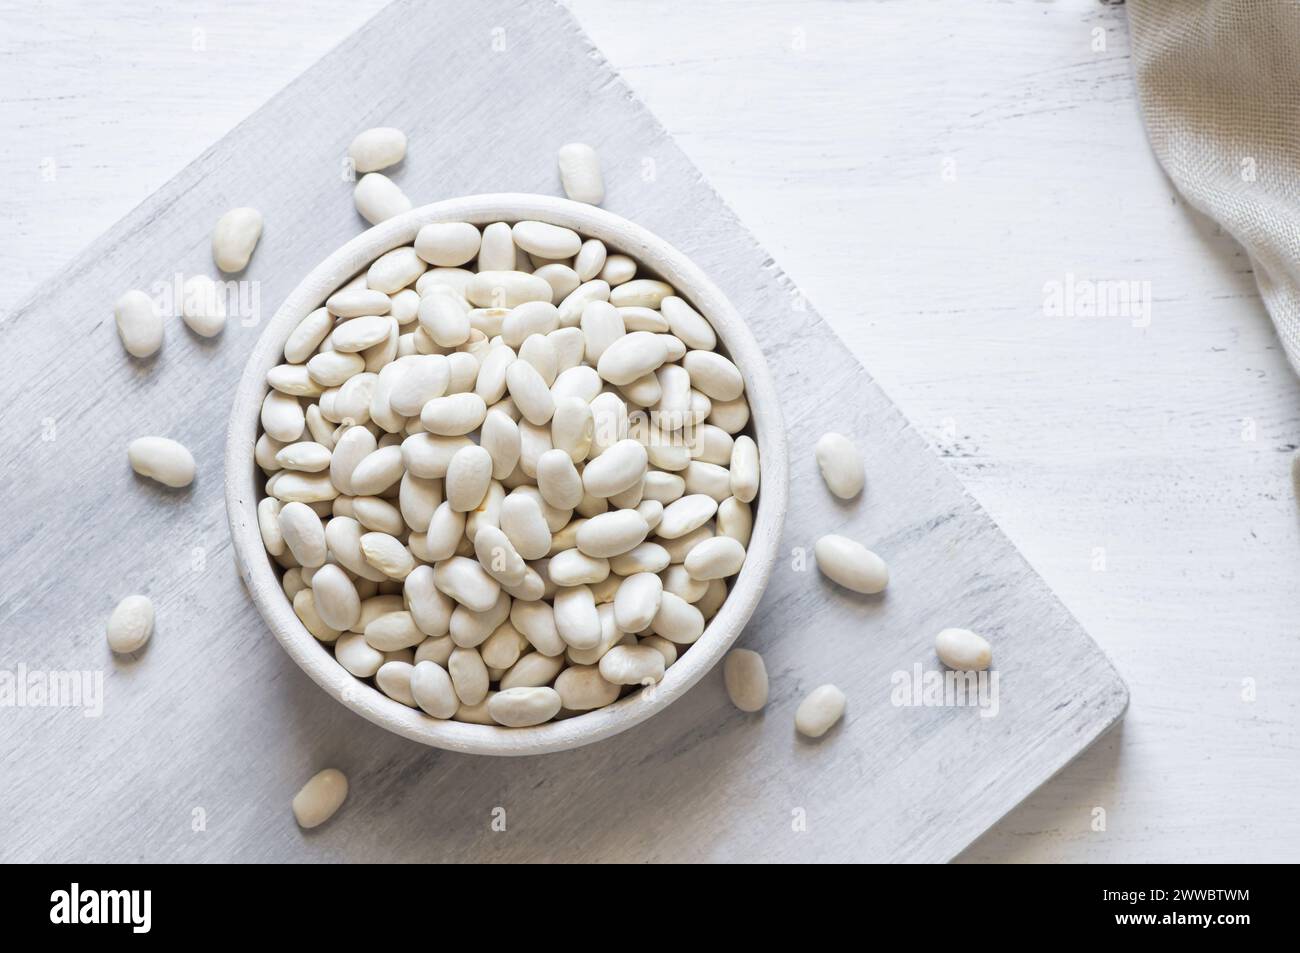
[507,477]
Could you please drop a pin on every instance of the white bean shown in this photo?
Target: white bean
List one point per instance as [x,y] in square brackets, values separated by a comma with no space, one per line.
[523,707]
[736,519]
[448,244]
[358,334]
[235,237]
[334,368]
[581,688]
[294,379]
[612,534]
[677,620]
[445,318]
[378,198]
[841,465]
[387,554]
[572,306]
[289,486]
[576,619]
[688,324]
[392,631]
[355,444]
[454,415]
[466,582]
[506,289]
[536,623]
[819,712]
[708,478]
[618,269]
[963,649]
[203,306]
[320,798]
[632,665]
[590,259]
[469,675]
[685,515]
[497,251]
[377,149]
[545,240]
[377,471]
[632,356]
[429,455]
[574,568]
[131,624]
[744,469]
[715,558]
[648,557]
[580,173]
[640,293]
[572,427]
[713,375]
[851,564]
[498,556]
[530,392]
[353,652]
[139,324]
[468,475]
[394,270]
[558,480]
[335,596]
[161,459]
[303,533]
[601,325]
[358,302]
[616,469]
[307,336]
[637,601]
[394,680]
[745,677]
[430,609]
[432,689]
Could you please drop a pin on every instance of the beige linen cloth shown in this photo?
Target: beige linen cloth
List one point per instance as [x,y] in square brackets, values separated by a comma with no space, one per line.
[1219,83]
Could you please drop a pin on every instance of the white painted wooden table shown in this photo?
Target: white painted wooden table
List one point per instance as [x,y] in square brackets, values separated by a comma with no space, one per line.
[921,173]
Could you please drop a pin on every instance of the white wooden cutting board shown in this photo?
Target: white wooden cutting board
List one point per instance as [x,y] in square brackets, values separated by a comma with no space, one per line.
[205,737]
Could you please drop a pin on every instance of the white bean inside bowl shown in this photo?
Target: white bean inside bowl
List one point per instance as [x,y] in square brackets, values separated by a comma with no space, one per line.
[500,465]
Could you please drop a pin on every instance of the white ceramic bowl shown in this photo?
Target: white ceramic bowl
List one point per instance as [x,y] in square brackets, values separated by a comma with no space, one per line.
[243,485]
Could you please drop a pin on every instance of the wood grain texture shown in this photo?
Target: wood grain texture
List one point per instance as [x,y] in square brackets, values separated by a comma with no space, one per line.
[214,716]
[824,125]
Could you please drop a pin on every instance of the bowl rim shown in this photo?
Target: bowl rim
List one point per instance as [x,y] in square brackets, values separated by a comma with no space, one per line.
[316,658]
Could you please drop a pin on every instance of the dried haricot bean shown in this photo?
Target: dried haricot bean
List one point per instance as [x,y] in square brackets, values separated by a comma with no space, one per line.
[235,237]
[377,149]
[203,306]
[130,624]
[841,465]
[378,198]
[963,649]
[161,459]
[139,324]
[819,712]
[524,707]
[320,798]
[851,564]
[580,173]
[745,676]
[502,481]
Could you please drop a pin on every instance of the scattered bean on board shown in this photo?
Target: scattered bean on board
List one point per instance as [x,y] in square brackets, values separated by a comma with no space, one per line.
[320,798]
